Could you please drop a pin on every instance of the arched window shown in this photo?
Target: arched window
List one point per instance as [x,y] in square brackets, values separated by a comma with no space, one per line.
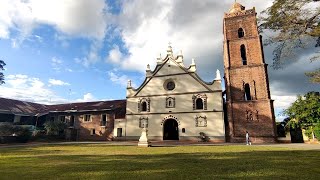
[247,94]
[144,106]
[240,33]
[170,102]
[199,103]
[243,54]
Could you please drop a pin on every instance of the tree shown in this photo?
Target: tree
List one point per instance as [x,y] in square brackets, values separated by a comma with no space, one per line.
[305,112]
[54,127]
[1,74]
[296,27]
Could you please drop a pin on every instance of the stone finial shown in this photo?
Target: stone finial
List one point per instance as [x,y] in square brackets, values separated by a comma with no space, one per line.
[218,76]
[129,84]
[148,67]
[192,66]
[180,58]
[169,50]
[159,59]
[193,62]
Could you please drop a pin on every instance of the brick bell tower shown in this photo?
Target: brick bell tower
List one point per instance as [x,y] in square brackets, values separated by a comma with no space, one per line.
[248,103]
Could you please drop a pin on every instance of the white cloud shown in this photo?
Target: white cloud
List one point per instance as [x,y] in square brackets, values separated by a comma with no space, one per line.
[283,102]
[18,80]
[27,88]
[81,18]
[87,97]
[56,64]
[116,78]
[115,55]
[192,26]
[55,82]
[92,56]
[69,70]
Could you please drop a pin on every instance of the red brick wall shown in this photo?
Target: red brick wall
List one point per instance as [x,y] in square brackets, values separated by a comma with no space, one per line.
[257,115]
[102,133]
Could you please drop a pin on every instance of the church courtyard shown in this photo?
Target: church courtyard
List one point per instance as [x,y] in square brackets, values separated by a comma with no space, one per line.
[107,161]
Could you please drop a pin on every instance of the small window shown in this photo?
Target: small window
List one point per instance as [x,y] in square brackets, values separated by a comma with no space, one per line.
[52,118]
[199,103]
[87,117]
[240,33]
[119,132]
[93,132]
[170,102]
[144,106]
[62,118]
[71,121]
[183,130]
[247,94]
[243,54]
[104,120]
[170,86]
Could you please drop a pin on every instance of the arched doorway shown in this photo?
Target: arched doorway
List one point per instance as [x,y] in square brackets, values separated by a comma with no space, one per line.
[170,130]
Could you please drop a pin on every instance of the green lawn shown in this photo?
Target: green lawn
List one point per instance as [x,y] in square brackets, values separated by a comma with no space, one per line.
[100,161]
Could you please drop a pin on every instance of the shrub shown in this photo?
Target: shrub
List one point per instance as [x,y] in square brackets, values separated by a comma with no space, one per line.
[23,133]
[317,131]
[203,137]
[6,129]
[54,127]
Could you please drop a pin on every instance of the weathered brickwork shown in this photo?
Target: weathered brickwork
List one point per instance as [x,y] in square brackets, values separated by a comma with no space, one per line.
[101,132]
[246,71]
[83,130]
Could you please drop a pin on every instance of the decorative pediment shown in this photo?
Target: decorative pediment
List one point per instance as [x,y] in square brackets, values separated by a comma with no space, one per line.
[252,116]
[143,122]
[201,121]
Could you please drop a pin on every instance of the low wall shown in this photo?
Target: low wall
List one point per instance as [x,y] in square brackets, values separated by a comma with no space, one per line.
[8,139]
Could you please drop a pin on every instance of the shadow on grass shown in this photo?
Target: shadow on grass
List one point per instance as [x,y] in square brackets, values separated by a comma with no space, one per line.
[102,162]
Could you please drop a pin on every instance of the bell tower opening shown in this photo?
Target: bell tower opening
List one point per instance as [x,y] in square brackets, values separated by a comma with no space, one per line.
[247,93]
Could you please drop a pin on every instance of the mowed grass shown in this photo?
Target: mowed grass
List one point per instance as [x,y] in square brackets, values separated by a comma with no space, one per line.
[101,161]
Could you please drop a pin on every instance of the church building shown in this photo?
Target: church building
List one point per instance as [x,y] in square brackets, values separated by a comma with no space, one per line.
[173,102]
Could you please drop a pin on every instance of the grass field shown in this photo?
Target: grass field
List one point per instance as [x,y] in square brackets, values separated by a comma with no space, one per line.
[100,161]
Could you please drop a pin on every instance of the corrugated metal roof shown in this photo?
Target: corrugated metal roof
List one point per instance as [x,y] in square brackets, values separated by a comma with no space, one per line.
[20,107]
[29,108]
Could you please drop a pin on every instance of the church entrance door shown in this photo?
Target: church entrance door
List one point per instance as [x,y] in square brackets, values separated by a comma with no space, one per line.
[170,130]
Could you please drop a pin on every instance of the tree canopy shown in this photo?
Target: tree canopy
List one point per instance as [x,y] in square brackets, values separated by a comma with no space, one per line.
[296,26]
[2,64]
[305,112]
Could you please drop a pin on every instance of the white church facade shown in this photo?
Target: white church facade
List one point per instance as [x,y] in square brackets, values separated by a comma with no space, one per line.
[173,103]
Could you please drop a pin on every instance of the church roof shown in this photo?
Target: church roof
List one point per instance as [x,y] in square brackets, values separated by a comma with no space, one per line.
[178,60]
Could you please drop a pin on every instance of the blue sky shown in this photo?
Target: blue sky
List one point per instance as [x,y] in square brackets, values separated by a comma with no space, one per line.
[66,50]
